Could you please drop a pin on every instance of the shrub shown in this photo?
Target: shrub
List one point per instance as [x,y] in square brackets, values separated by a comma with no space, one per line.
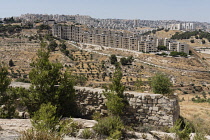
[38,135]
[45,118]
[161,84]
[69,127]
[96,116]
[182,129]
[111,126]
[199,136]
[87,134]
[114,104]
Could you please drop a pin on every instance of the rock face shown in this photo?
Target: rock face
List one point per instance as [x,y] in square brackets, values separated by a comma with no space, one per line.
[143,109]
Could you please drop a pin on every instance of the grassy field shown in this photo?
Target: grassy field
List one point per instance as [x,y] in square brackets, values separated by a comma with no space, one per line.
[198,113]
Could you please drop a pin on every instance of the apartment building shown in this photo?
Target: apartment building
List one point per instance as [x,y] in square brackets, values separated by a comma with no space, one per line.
[115,39]
[147,46]
[126,43]
[186,26]
[173,46]
[133,43]
[178,47]
[183,48]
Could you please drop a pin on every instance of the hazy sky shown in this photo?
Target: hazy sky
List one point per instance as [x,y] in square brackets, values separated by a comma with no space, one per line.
[188,10]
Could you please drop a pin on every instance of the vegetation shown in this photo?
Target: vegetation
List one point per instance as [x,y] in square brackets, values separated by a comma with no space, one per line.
[9,29]
[126,61]
[11,63]
[45,78]
[52,46]
[114,104]
[198,99]
[45,118]
[39,135]
[192,41]
[162,48]
[161,84]
[43,27]
[111,126]
[7,96]
[116,85]
[113,59]
[187,35]
[182,128]
[68,127]
[87,133]
[174,54]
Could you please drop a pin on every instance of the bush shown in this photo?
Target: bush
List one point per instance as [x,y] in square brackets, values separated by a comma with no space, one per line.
[114,104]
[69,127]
[96,116]
[182,129]
[161,84]
[110,126]
[199,136]
[87,134]
[45,118]
[38,135]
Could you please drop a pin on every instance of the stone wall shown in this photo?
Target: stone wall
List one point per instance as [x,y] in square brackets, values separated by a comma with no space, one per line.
[143,108]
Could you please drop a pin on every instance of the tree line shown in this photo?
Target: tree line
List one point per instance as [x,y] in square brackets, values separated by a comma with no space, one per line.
[187,35]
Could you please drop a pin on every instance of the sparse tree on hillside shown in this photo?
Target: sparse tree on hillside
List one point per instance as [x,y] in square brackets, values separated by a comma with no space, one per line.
[161,84]
[11,63]
[113,59]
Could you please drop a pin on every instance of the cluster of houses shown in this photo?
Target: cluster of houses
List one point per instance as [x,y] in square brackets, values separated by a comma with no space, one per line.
[116,39]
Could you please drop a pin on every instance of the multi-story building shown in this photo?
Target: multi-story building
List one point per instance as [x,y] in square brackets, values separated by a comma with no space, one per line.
[186,26]
[116,39]
[133,43]
[178,47]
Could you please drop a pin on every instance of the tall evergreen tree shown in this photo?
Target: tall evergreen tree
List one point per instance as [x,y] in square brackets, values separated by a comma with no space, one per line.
[116,85]
[50,85]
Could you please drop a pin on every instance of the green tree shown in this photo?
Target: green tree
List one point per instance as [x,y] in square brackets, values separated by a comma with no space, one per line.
[161,84]
[162,48]
[130,59]
[114,104]
[123,61]
[63,46]
[4,80]
[192,41]
[7,97]
[116,85]
[45,118]
[49,84]
[113,59]
[11,63]
[203,41]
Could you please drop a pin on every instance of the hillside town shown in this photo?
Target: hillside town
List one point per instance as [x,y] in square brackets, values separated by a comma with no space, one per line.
[67,77]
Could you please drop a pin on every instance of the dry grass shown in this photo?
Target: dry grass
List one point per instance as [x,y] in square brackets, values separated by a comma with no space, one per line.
[38,135]
[164,34]
[198,113]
